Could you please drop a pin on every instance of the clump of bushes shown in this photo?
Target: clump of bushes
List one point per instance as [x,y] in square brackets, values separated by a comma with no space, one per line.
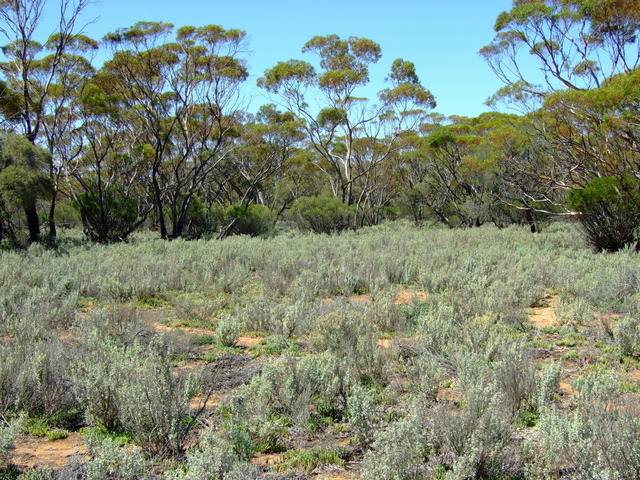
[322,214]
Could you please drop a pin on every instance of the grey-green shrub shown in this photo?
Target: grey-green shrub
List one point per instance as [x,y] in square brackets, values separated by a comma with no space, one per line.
[228,332]
[347,333]
[210,460]
[155,402]
[599,439]
[516,379]
[548,384]
[399,452]
[361,411]
[98,383]
[627,335]
[9,430]
[113,461]
[34,377]
[425,372]
[475,442]
[285,317]
[286,386]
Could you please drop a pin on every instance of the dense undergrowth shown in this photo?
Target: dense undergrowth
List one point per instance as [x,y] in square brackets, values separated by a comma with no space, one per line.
[137,346]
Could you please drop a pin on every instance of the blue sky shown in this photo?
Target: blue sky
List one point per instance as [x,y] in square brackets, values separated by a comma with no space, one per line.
[442,37]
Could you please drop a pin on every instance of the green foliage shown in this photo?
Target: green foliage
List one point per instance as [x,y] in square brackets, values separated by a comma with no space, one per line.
[108,213]
[322,214]
[254,220]
[310,459]
[610,208]
[10,472]
[57,434]
[23,166]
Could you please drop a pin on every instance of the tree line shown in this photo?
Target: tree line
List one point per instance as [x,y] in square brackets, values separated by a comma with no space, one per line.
[159,135]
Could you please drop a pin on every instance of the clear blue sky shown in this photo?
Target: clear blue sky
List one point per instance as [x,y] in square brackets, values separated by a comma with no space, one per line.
[442,37]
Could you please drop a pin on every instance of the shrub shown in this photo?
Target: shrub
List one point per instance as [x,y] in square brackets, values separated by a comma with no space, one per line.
[155,402]
[228,332]
[34,378]
[361,411]
[322,214]
[111,460]
[398,453]
[8,433]
[108,214]
[210,460]
[348,334]
[610,211]
[475,442]
[599,439]
[548,384]
[98,383]
[626,335]
[254,220]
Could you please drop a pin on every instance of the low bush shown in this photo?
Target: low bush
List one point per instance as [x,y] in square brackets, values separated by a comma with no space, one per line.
[254,220]
[210,460]
[399,452]
[322,214]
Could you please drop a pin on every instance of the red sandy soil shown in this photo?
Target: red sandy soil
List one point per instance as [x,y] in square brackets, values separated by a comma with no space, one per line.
[545,316]
[37,452]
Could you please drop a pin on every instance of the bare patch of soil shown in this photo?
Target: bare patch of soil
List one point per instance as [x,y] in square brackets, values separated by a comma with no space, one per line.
[267,459]
[545,316]
[407,296]
[35,452]
[209,403]
[364,298]
[339,474]
[161,328]
[248,342]
[566,389]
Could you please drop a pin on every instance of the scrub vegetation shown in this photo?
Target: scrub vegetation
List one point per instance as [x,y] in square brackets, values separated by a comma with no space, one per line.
[358,289]
[390,352]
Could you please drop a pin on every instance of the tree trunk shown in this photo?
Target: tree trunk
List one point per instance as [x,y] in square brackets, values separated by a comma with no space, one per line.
[32,221]
[158,201]
[53,234]
[531,221]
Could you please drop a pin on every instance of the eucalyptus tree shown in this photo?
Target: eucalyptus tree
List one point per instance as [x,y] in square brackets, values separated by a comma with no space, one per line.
[341,124]
[596,135]
[40,81]
[266,144]
[542,46]
[211,111]
[570,59]
[108,180]
[183,95]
